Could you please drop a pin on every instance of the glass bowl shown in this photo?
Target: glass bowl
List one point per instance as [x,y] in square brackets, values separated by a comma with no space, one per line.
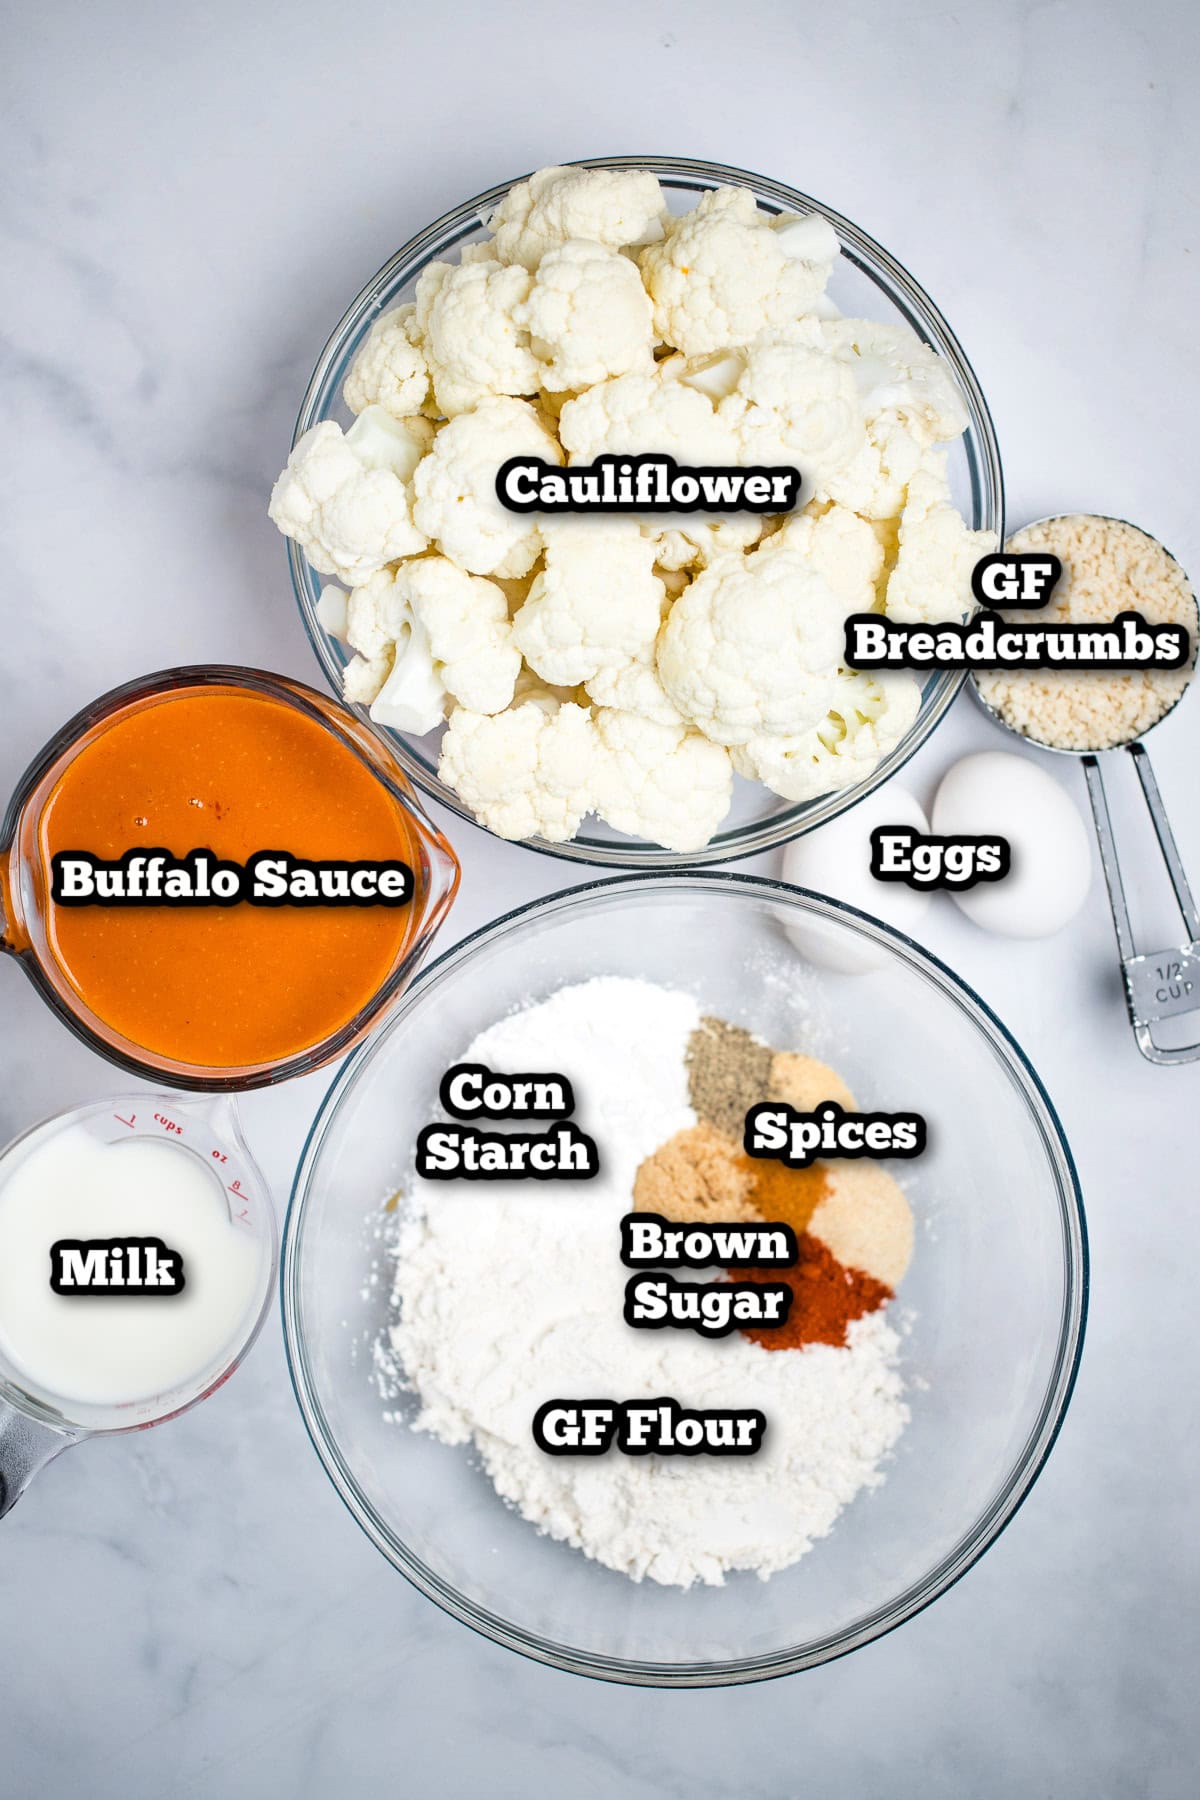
[996,1291]
[26,930]
[867,282]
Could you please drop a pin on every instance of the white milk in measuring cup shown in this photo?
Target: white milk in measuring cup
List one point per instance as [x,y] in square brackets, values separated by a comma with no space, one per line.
[137,1253]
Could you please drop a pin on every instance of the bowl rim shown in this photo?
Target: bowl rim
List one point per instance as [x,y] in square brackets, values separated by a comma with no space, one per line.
[868,255]
[970,1547]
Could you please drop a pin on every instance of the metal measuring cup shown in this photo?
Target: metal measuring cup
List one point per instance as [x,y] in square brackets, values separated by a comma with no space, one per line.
[1159,984]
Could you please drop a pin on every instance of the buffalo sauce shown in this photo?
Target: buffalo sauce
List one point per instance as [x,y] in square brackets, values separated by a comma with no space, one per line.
[225,987]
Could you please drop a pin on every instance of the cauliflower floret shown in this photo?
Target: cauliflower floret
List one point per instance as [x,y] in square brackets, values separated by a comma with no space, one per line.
[344,496]
[868,716]
[390,369]
[413,698]
[528,772]
[724,274]
[844,550]
[331,610]
[467,324]
[470,639]
[692,541]
[364,676]
[715,375]
[896,374]
[458,622]
[796,404]
[596,605]
[616,207]
[587,316]
[455,487]
[931,580]
[874,482]
[635,415]
[752,646]
[380,625]
[634,688]
[662,782]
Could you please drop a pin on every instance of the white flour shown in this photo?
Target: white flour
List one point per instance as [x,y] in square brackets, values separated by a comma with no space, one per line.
[510,1293]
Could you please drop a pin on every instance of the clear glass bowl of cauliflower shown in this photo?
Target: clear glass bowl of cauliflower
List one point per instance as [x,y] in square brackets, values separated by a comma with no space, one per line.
[655,691]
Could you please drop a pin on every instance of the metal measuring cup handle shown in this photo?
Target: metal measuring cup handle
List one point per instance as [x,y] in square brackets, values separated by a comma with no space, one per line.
[1159,984]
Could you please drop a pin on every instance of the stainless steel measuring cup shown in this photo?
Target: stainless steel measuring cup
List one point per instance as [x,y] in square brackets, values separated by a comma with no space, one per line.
[1159,984]
[36,1426]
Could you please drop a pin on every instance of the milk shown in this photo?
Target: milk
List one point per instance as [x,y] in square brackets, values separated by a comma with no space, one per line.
[107,1348]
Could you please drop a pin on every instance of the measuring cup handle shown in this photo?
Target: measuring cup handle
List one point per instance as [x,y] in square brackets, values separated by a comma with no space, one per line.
[1146,1006]
[25,1447]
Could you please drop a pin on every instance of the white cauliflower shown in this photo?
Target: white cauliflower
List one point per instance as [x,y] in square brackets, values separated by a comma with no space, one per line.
[875,481]
[528,772]
[331,609]
[634,688]
[467,324]
[457,623]
[587,316]
[724,274]
[843,549]
[661,782]
[455,488]
[629,666]
[615,207]
[390,368]
[364,676]
[897,375]
[931,580]
[796,404]
[380,625]
[465,619]
[344,497]
[597,604]
[716,374]
[869,714]
[413,698]
[693,540]
[752,647]
[645,415]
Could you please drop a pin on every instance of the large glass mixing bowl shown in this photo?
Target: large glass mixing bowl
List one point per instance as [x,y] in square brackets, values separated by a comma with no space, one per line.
[997,1287]
[866,283]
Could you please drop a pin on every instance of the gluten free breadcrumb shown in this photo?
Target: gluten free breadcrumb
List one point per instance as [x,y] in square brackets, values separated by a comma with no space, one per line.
[1109,566]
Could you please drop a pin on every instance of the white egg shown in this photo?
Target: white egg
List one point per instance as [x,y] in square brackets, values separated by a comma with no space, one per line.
[835,859]
[997,794]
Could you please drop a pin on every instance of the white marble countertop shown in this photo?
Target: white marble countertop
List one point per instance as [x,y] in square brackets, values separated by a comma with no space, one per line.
[189,198]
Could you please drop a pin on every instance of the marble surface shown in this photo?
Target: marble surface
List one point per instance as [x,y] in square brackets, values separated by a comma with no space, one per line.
[188,198]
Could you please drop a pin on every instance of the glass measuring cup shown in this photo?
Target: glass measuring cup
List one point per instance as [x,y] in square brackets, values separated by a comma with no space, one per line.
[36,1425]
[26,930]
[1159,984]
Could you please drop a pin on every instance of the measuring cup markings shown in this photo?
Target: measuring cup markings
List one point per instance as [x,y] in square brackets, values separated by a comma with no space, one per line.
[35,1426]
[1159,984]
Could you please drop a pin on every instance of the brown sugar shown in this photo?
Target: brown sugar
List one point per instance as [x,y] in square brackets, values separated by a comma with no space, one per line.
[698,1174]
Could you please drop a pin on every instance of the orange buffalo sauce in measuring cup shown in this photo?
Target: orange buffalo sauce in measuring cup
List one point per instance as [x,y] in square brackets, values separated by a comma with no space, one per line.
[235,764]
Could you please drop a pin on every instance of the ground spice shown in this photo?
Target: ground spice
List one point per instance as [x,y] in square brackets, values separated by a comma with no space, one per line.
[865,1219]
[785,1196]
[728,1072]
[826,1298]
[805,1083]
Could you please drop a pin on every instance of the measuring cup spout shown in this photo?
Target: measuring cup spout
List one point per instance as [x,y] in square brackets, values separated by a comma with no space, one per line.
[26,1446]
